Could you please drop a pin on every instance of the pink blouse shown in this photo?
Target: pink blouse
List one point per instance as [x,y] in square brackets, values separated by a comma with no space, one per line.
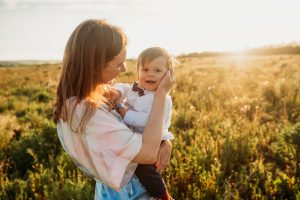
[105,150]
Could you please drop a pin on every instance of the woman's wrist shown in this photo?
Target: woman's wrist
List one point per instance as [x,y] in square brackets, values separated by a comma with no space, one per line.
[161,92]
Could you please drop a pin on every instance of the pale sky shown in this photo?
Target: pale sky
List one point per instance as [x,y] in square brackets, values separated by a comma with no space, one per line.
[39,29]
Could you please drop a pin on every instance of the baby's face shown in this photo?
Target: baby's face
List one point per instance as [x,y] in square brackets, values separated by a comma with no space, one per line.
[152,72]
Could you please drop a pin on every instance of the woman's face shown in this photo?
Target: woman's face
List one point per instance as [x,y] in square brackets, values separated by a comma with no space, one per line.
[115,67]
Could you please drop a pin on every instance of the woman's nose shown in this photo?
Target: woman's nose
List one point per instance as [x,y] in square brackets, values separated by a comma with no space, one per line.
[123,68]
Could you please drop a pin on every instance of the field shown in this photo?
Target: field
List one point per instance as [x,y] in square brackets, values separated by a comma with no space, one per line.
[236,121]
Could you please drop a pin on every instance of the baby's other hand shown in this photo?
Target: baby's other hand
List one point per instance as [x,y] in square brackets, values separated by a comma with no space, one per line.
[115,94]
[121,109]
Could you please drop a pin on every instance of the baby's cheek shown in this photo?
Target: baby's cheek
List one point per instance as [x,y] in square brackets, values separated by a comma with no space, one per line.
[161,77]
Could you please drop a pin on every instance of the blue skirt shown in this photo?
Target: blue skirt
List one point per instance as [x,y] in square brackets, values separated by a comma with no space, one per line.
[133,190]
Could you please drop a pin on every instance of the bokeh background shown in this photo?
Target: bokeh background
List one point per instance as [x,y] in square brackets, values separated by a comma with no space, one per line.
[236,101]
[32,29]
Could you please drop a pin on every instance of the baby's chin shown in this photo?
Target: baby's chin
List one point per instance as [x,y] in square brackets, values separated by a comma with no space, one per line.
[153,89]
[148,85]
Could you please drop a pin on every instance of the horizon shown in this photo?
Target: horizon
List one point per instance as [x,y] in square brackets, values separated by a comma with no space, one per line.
[238,52]
[38,30]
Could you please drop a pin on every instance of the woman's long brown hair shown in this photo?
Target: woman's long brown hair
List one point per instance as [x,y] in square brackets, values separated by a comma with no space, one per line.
[90,47]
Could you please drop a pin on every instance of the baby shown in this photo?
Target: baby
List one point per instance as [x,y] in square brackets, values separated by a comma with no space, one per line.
[152,65]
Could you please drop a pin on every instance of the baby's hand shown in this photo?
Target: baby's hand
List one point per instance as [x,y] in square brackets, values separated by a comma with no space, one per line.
[115,94]
[121,109]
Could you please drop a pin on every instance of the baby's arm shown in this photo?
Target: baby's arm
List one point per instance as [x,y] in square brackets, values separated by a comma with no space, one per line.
[130,117]
[121,90]
[134,118]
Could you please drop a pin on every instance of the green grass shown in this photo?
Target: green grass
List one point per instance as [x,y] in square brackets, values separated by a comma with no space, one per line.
[236,122]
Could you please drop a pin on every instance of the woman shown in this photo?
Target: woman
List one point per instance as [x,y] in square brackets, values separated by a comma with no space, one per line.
[89,128]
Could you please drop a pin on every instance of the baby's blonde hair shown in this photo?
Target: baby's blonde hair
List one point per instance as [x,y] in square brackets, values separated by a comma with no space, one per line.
[150,54]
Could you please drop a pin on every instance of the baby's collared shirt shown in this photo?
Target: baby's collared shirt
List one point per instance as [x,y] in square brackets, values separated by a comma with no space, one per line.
[140,107]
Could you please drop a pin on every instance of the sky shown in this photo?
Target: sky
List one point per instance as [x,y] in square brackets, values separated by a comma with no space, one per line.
[39,29]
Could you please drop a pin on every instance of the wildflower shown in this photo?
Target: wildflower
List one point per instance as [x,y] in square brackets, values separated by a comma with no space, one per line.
[245,108]
[211,87]
[192,107]
[265,83]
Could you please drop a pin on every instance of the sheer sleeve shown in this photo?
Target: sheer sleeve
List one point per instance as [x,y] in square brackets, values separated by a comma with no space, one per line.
[106,149]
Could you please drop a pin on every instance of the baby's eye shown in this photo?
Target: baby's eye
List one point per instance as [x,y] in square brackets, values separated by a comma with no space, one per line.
[158,70]
[145,69]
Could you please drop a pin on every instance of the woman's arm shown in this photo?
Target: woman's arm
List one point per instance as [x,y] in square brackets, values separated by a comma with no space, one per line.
[154,128]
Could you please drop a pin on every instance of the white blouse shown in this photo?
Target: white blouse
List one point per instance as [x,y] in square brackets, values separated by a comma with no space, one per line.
[105,150]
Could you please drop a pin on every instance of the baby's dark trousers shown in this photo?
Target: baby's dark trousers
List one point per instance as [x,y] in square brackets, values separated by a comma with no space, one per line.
[151,180]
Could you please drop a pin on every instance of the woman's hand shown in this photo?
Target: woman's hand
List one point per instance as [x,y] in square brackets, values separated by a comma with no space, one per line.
[164,155]
[166,82]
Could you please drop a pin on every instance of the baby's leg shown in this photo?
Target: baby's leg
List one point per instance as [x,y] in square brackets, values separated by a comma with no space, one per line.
[152,181]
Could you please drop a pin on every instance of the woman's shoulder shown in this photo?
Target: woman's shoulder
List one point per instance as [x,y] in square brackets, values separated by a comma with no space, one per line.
[102,113]
[102,118]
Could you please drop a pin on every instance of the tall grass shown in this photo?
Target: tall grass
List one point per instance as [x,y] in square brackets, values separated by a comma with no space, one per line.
[236,123]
